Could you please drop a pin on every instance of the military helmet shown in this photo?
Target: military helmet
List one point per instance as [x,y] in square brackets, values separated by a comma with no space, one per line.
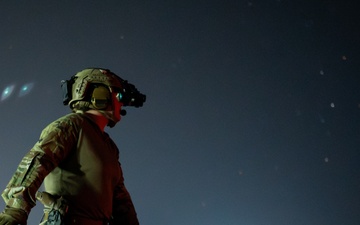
[83,84]
[92,88]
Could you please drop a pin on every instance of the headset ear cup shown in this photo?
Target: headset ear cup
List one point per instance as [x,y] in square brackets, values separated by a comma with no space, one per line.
[100,97]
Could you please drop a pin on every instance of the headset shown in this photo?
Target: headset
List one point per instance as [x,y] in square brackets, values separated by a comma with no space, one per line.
[101,97]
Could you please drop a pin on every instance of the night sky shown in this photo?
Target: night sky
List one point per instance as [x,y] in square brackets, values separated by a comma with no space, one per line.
[253,107]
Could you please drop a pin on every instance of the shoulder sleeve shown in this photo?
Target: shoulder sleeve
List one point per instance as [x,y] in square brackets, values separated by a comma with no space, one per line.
[55,142]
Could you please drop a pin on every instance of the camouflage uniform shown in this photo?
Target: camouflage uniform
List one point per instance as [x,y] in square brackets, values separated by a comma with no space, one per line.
[79,162]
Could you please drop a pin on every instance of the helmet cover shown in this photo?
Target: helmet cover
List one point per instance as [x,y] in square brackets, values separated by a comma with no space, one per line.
[86,79]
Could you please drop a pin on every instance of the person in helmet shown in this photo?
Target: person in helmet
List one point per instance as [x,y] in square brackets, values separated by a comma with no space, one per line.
[76,160]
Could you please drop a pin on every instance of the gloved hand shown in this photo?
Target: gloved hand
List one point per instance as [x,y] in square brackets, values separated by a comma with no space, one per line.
[51,202]
[12,216]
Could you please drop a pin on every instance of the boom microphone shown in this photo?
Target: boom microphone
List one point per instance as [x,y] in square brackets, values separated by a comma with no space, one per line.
[123,112]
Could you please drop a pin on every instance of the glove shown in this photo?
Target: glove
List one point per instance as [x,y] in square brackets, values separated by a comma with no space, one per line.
[51,202]
[12,216]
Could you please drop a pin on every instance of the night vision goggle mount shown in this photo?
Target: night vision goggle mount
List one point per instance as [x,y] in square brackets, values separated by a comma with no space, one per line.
[130,96]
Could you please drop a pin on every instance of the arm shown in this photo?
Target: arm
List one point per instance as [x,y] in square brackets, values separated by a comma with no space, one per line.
[55,142]
[123,209]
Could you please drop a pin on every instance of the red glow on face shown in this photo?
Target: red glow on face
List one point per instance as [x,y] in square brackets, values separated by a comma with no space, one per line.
[116,107]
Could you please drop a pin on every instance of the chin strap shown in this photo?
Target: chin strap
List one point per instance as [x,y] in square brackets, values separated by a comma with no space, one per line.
[109,114]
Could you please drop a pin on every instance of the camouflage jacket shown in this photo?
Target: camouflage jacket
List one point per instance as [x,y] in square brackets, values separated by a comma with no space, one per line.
[79,162]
